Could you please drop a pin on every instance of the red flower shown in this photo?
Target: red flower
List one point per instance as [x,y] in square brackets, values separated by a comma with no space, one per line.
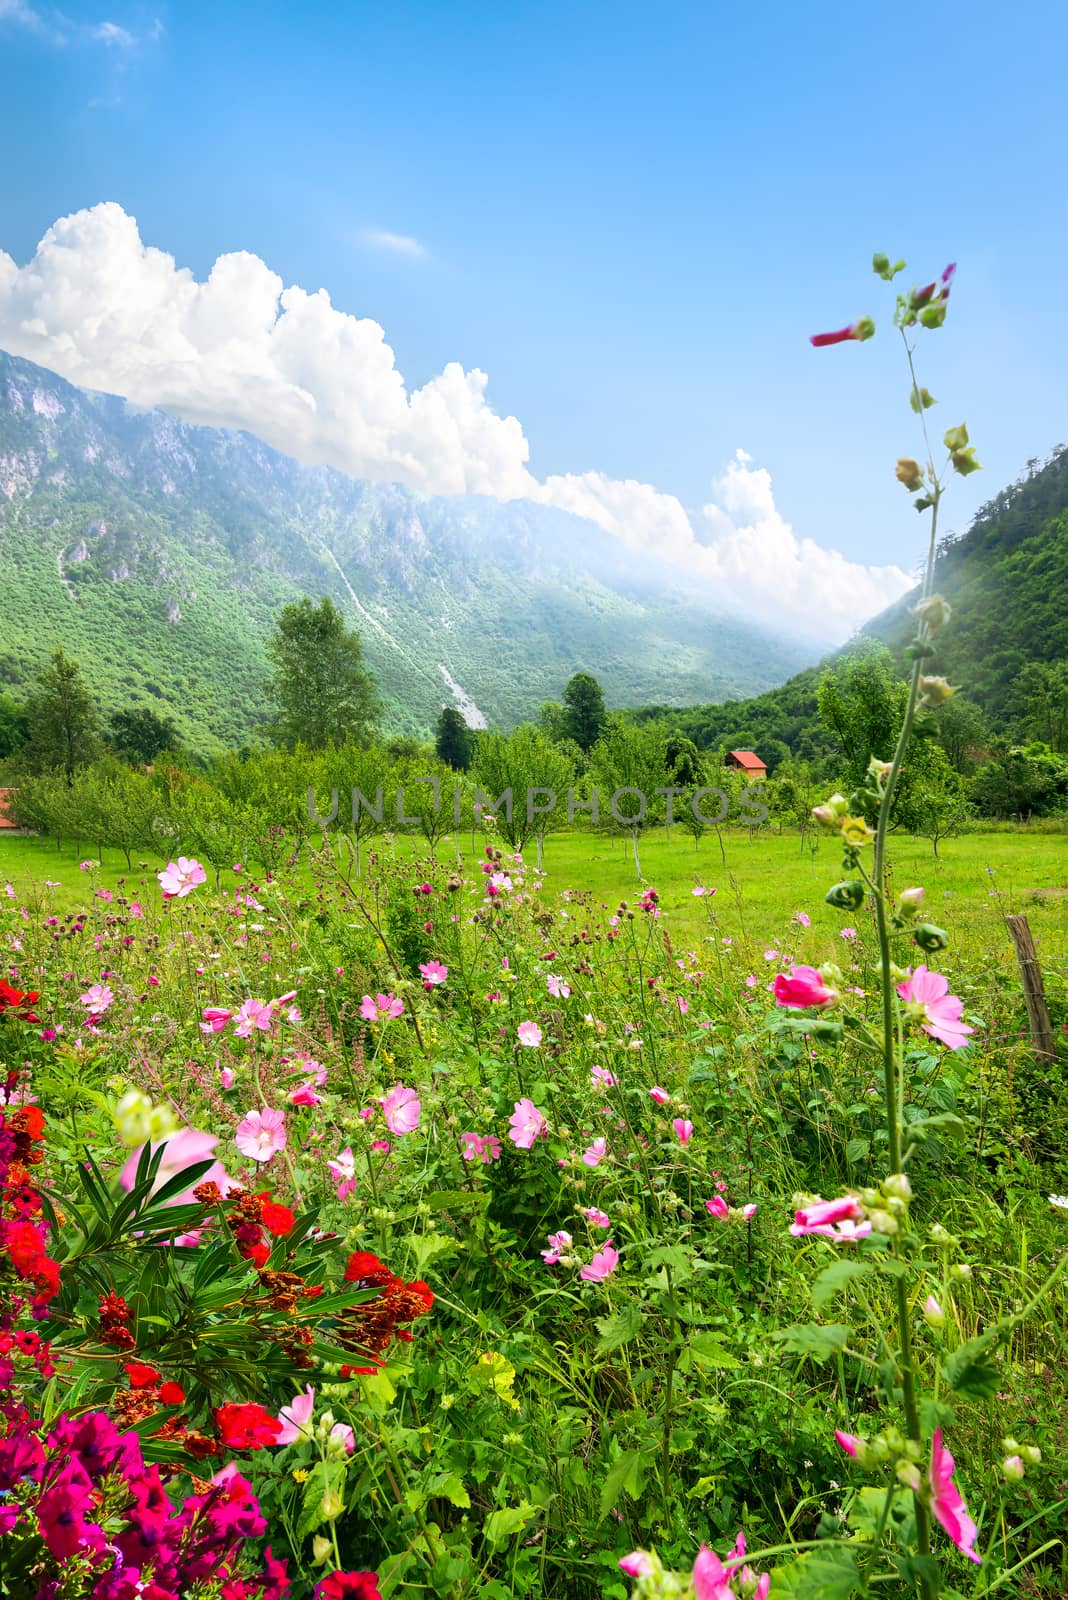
[862,329]
[365,1268]
[171,1393]
[348,1586]
[18,1001]
[277,1219]
[141,1375]
[246,1427]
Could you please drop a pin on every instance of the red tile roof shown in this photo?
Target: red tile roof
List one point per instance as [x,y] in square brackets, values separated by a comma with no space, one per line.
[5,820]
[748,760]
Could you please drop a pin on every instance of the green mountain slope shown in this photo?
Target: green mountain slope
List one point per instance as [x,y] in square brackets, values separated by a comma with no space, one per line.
[1007,580]
[158,553]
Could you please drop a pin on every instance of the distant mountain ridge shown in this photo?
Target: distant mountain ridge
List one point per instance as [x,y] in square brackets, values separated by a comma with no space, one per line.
[159,552]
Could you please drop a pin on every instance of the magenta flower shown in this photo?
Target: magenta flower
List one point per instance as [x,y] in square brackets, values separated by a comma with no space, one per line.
[368,1009]
[433,973]
[62,1513]
[180,877]
[602,1265]
[180,1150]
[383,1005]
[718,1207]
[296,1418]
[215,1019]
[803,987]
[559,1245]
[637,1565]
[947,1502]
[479,1147]
[938,1011]
[683,1129]
[97,998]
[850,1442]
[862,329]
[304,1095]
[254,1014]
[529,1034]
[526,1124]
[802,919]
[835,1219]
[401,1108]
[343,1171]
[595,1154]
[711,1580]
[661,1096]
[261,1134]
[595,1218]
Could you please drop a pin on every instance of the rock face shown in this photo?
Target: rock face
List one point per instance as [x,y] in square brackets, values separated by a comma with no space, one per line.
[162,552]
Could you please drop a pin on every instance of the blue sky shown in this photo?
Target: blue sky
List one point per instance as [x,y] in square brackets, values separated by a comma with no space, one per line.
[629,216]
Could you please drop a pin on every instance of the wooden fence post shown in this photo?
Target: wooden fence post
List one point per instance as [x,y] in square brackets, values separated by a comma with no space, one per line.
[1034,994]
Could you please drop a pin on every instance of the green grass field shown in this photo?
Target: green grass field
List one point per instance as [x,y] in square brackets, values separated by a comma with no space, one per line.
[761,881]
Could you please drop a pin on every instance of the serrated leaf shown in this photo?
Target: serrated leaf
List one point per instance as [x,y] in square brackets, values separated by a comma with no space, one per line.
[968,1374]
[818,1575]
[624,1475]
[708,1349]
[818,1340]
[620,1328]
[451,1486]
[833,1279]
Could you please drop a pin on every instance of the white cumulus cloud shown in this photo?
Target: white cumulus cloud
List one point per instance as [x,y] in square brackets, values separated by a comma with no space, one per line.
[243,350]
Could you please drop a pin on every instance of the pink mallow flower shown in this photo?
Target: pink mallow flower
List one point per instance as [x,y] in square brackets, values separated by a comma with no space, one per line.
[343,1171]
[862,329]
[604,1263]
[296,1418]
[215,1019]
[803,987]
[476,1147]
[382,1006]
[938,1011]
[179,878]
[97,998]
[261,1134]
[661,1096]
[433,973]
[180,1150]
[595,1154]
[526,1124]
[557,987]
[559,1244]
[947,1502]
[835,1219]
[529,1034]
[718,1207]
[304,1095]
[683,1129]
[639,1564]
[401,1108]
[254,1014]
[595,1218]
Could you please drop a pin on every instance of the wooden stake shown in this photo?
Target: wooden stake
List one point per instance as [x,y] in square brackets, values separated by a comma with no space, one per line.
[1034,994]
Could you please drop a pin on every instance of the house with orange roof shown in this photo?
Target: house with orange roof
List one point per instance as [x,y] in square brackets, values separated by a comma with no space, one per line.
[748,762]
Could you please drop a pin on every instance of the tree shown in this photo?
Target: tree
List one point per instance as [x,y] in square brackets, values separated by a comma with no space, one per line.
[584,712]
[323,694]
[13,726]
[862,701]
[633,759]
[454,740]
[961,730]
[61,718]
[139,735]
[527,763]
[934,807]
[1042,694]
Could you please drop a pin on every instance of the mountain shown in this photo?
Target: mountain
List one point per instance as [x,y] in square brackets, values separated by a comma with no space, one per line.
[1007,581]
[158,553]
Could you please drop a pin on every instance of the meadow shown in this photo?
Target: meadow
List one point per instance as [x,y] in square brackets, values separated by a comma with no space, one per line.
[451,1223]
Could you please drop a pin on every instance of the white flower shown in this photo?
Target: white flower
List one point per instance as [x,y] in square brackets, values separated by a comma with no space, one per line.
[1060,1201]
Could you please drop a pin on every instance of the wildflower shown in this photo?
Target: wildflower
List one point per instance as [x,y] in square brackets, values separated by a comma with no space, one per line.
[97,998]
[295,1418]
[851,1443]
[433,973]
[226,1077]
[400,1109]
[595,1218]
[822,1215]
[933,1312]
[847,933]
[1012,1469]
[947,1502]
[184,1149]
[181,877]
[711,1580]
[215,1019]
[600,1076]
[683,1129]
[602,1264]
[803,919]
[529,1034]
[559,1244]
[261,1134]
[557,987]
[526,1124]
[595,1154]
[803,987]
[863,328]
[247,1426]
[348,1586]
[639,1563]
[718,1207]
[928,999]
[254,1014]
[658,1094]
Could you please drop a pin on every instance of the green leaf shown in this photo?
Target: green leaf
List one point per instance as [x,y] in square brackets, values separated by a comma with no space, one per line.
[620,1328]
[833,1279]
[818,1575]
[967,1373]
[510,1520]
[708,1349]
[819,1340]
[451,1486]
[625,1474]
